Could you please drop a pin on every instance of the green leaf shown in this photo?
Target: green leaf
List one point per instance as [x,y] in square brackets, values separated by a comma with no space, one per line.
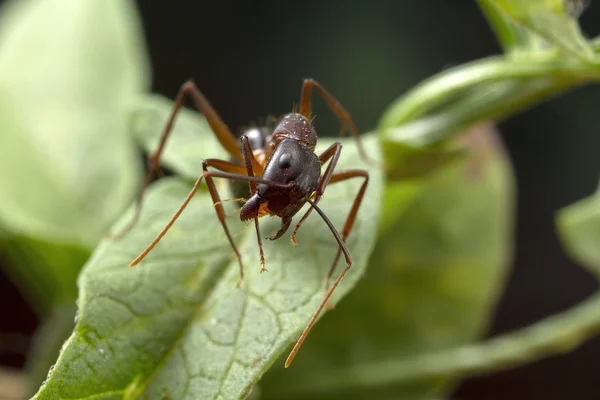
[579,228]
[407,161]
[175,325]
[595,43]
[432,283]
[550,20]
[73,167]
[63,131]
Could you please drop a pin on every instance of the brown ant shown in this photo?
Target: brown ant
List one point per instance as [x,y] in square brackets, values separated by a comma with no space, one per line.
[282,171]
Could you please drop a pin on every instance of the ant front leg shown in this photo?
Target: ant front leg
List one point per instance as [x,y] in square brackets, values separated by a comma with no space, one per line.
[209,175]
[337,177]
[249,160]
[220,130]
[222,165]
[328,295]
[214,194]
[337,108]
[340,177]
[333,152]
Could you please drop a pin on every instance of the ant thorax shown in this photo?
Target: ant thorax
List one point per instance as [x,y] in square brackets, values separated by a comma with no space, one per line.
[296,127]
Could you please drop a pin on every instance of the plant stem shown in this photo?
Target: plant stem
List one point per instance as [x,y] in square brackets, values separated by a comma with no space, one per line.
[496,102]
[438,89]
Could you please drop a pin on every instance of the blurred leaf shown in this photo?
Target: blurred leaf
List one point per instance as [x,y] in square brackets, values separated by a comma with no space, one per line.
[66,70]
[579,227]
[45,270]
[432,283]
[70,166]
[575,8]
[551,20]
[55,328]
[417,162]
[175,325]
[595,43]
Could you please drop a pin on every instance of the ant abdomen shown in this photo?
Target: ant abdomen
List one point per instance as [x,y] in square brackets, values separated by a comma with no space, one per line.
[258,137]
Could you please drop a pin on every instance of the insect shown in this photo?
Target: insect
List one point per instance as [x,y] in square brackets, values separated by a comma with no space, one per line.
[282,171]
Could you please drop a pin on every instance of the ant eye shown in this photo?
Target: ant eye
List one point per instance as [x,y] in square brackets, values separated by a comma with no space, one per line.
[285,161]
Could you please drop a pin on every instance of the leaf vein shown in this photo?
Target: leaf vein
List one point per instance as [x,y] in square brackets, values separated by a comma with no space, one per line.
[235,344]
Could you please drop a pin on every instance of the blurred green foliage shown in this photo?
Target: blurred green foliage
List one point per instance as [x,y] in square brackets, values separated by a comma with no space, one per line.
[67,70]
[433,238]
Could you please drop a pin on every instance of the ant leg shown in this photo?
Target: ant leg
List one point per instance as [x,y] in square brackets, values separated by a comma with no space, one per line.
[220,130]
[219,164]
[249,160]
[214,194]
[333,152]
[333,178]
[335,106]
[339,177]
[312,321]
[253,181]
[216,200]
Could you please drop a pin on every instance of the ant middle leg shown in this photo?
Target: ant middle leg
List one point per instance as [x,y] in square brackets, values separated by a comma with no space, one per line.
[219,128]
[222,165]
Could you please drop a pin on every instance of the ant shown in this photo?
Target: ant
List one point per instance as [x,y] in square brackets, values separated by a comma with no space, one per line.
[283,173]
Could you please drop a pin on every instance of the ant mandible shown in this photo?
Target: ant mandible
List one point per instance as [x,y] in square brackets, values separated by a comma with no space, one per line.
[282,171]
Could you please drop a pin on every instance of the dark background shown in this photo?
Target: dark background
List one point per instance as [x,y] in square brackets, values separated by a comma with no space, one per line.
[249,59]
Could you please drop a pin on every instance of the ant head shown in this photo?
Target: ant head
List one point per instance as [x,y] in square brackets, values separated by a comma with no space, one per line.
[297,127]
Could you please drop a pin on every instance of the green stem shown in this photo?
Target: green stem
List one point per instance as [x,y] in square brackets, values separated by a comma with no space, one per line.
[498,101]
[440,88]
[557,334]
[506,33]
